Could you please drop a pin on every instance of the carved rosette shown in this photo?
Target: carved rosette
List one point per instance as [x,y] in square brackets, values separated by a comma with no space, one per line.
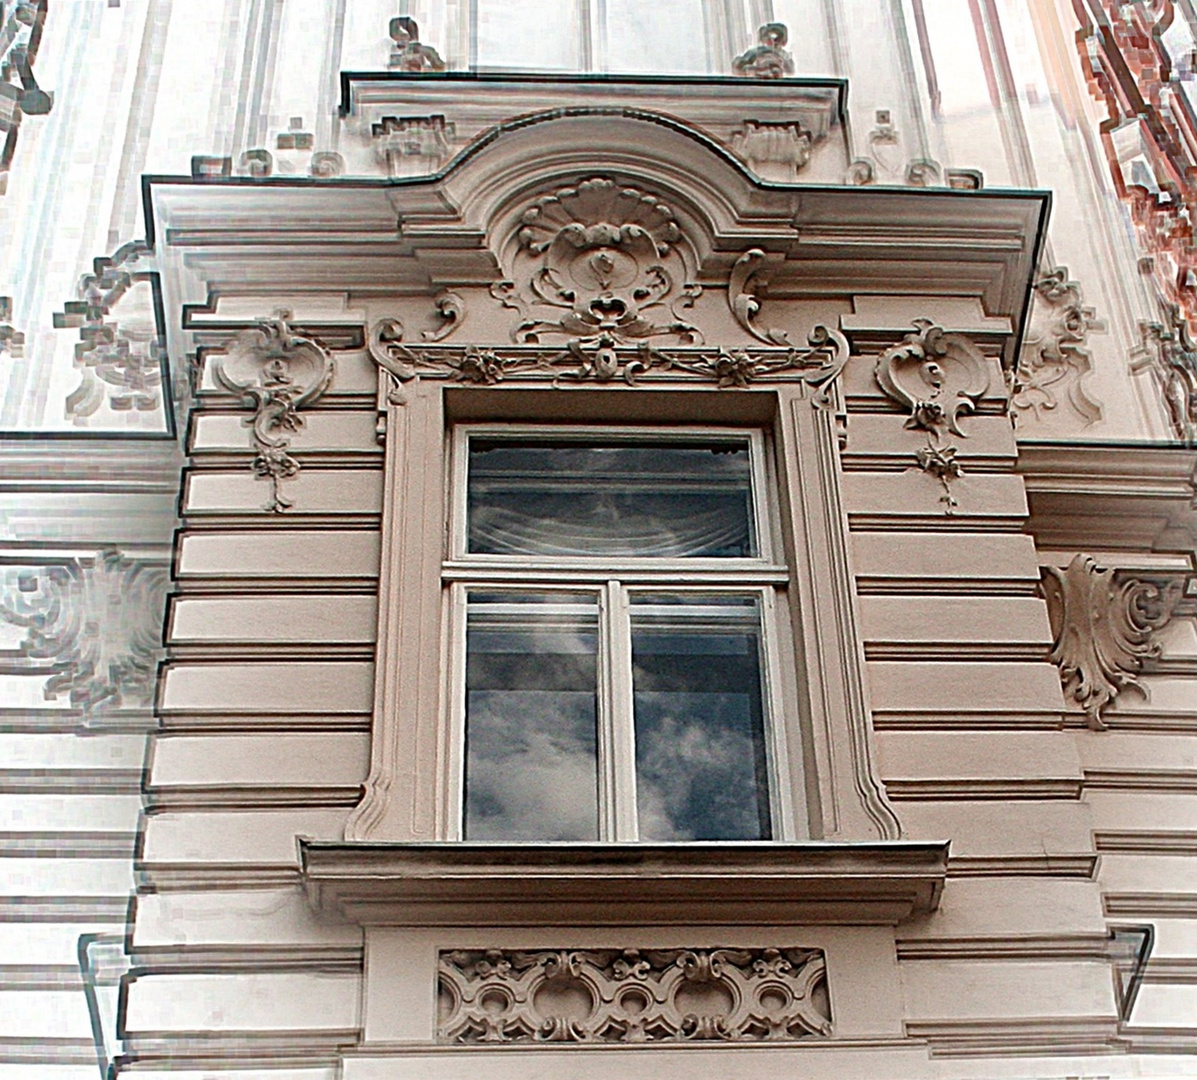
[276,372]
[938,376]
[632,995]
[602,264]
[1054,360]
[1105,626]
[94,624]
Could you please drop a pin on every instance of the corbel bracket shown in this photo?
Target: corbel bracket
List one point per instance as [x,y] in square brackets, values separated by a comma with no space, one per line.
[1105,626]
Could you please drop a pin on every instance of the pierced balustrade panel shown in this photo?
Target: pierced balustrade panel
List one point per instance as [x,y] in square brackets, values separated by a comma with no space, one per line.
[632,995]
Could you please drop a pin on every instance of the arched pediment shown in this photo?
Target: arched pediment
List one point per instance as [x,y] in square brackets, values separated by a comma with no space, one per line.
[715,199]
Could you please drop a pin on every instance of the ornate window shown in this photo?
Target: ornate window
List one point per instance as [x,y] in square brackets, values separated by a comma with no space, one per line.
[615,636]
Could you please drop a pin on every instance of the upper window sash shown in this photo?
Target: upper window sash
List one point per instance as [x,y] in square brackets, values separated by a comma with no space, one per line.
[759,523]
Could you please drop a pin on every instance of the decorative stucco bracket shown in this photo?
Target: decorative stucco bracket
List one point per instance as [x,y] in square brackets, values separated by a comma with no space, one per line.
[1106,624]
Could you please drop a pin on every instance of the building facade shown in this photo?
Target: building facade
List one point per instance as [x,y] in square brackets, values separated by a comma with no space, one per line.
[568,545]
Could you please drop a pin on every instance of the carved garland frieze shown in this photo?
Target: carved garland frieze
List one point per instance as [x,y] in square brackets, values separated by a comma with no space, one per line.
[1054,360]
[938,376]
[605,362]
[276,372]
[94,624]
[1105,626]
[632,995]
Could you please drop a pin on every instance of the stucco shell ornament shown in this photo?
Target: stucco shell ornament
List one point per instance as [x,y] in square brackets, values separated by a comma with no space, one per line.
[608,263]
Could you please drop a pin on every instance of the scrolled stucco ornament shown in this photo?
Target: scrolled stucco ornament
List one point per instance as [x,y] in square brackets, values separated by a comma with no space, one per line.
[276,372]
[1172,356]
[1105,627]
[745,286]
[633,995]
[1053,359]
[938,376]
[408,53]
[595,261]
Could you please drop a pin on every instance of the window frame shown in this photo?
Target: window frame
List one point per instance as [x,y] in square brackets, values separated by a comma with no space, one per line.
[614,581]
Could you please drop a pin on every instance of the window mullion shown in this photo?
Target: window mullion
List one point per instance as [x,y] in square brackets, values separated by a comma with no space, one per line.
[620,763]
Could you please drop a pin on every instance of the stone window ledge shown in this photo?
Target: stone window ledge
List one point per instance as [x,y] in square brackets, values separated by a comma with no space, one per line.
[725,884]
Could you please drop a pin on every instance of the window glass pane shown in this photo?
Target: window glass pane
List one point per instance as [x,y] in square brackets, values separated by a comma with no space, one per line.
[531,717]
[701,771]
[688,498]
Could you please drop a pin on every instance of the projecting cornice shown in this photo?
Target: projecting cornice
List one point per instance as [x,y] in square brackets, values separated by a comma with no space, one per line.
[623,884]
[453,229]
[1090,496]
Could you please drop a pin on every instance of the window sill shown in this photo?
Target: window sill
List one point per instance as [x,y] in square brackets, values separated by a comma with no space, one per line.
[451,884]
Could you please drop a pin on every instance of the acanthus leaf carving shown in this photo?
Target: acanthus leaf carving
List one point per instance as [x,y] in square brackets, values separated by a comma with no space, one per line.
[598,260]
[632,995]
[768,58]
[938,376]
[276,372]
[95,624]
[1053,360]
[1105,625]
[744,284]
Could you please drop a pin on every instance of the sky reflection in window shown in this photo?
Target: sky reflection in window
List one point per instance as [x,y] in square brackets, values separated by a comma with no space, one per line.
[531,716]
